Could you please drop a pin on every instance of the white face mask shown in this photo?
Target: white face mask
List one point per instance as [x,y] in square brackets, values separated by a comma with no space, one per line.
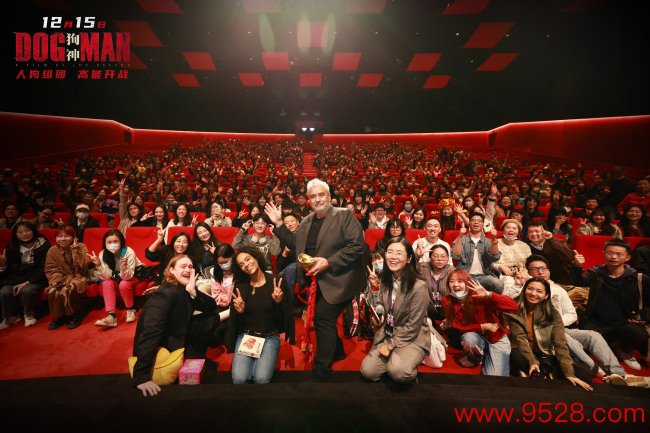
[82,216]
[379,267]
[113,247]
[459,295]
[510,237]
[226,266]
[408,208]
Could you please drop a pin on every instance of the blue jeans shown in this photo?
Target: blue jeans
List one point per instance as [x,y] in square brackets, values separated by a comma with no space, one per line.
[290,274]
[256,370]
[496,356]
[582,342]
[491,283]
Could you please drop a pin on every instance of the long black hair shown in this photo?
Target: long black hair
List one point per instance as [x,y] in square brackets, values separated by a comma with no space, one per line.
[109,257]
[165,219]
[241,276]
[607,227]
[409,274]
[140,211]
[393,222]
[187,221]
[170,252]
[548,311]
[643,224]
[14,236]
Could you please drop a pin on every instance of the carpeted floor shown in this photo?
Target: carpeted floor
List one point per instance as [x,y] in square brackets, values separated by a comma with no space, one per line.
[77,380]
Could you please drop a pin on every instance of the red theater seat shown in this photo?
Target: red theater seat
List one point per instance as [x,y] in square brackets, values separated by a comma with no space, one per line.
[101,217]
[50,234]
[171,232]
[5,239]
[225,234]
[93,238]
[372,236]
[637,242]
[412,234]
[591,246]
[139,239]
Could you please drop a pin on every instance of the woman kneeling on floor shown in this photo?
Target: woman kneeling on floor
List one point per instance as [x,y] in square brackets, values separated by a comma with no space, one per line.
[402,341]
[473,323]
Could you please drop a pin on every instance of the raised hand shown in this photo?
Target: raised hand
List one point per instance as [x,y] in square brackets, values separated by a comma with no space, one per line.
[493,190]
[59,222]
[161,234]
[458,208]
[195,220]
[146,216]
[408,221]
[578,258]
[420,249]
[271,227]
[247,225]
[463,229]
[277,291]
[211,247]
[75,243]
[477,288]
[373,278]
[547,235]
[191,284]
[274,212]
[237,301]
[242,213]
[93,258]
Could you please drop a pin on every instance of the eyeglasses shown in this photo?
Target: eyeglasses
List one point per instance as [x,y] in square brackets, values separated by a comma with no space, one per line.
[538,269]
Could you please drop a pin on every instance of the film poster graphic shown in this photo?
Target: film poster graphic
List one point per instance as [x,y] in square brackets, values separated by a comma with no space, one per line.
[72,48]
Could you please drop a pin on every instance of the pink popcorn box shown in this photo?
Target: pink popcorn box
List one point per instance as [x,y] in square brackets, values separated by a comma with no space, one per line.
[191,372]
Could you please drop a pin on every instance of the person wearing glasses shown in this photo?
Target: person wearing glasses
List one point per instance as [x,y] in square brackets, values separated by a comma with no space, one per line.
[583,344]
[394,229]
[45,219]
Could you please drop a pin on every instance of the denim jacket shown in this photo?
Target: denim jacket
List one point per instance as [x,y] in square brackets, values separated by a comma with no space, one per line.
[466,256]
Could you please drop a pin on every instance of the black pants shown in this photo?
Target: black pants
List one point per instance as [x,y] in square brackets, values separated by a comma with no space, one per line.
[519,363]
[327,338]
[205,330]
[629,336]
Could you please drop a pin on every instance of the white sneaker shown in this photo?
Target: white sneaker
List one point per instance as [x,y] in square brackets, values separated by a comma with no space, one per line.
[632,363]
[130,316]
[108,321]
[29,320]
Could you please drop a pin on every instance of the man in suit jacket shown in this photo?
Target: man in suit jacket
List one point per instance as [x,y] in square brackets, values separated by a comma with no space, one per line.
[334,238]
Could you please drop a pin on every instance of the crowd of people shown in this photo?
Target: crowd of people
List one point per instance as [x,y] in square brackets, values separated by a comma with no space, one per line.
[501,291]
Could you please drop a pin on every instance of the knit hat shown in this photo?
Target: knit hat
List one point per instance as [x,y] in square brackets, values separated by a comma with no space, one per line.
[511,220]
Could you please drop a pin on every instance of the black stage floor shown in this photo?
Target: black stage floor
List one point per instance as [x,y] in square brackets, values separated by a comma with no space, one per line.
[292,403]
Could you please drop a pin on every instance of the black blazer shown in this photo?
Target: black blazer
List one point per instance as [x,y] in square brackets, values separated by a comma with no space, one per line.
[164,322]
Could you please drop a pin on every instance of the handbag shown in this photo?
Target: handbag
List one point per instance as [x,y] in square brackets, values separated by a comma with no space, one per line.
[437,353]
[143,273]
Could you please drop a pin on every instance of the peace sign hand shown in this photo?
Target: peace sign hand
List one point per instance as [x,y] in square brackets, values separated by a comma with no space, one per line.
[161,234]
[195,220]
[146,216]
[478,289]
[93,258]
[75,243]
[408,221]
[237,301]
[373,278]
[277,291]
[191,284]
[463,229]
[212,248]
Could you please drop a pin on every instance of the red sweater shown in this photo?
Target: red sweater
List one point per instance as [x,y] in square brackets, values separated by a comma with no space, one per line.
[485,310]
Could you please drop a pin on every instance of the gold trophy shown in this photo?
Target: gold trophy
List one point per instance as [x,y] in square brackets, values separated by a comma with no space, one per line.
[306,261]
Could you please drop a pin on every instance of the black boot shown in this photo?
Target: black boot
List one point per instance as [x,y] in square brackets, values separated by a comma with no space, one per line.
[74,320]
[57,323]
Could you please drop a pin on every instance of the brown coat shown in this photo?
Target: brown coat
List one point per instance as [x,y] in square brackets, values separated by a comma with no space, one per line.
[66,283]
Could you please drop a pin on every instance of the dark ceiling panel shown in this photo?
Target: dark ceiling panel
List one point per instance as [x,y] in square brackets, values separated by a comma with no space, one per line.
[142,35]
[160,6]
[365,6]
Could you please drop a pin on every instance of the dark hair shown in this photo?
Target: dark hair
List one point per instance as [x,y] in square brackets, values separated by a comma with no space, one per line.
[293,214]
[616,242]
[261,216]
[473,214]
[169,252]
[546,307]
[395,221]
[140,211]
[607,226]
[225,251]
[409,274]
[14,237]
[536,223]
[644,224]
[438,247]
[187,221]
[165,219]
[241,276]
[197,245]
[536,258]
[108,257]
